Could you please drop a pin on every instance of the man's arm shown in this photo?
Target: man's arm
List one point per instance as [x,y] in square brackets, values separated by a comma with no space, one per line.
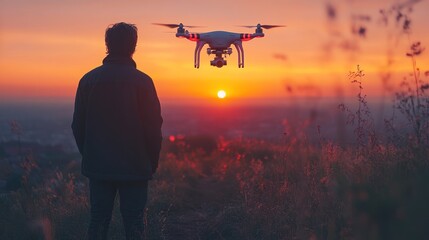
[152,121]
[78,124]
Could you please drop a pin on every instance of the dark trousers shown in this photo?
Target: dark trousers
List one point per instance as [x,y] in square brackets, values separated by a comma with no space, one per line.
[132,198]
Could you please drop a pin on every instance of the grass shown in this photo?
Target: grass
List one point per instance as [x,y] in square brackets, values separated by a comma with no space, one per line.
[247,189]
[215,188]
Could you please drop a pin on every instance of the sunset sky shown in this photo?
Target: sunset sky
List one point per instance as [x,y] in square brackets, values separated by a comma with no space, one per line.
[47,45]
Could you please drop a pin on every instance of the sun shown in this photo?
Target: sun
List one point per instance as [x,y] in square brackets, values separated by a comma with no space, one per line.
[221,94]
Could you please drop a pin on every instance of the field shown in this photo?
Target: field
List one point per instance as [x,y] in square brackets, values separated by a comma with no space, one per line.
[302,185]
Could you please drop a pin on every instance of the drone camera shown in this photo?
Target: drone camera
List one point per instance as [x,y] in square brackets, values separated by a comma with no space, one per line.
[218,62]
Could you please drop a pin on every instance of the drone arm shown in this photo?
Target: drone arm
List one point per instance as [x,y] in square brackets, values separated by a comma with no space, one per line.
[198,48]
[248,36]
[239,46]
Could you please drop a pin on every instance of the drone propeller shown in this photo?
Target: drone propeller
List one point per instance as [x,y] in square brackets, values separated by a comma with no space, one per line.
[174,25]
[271,26]
[264,26]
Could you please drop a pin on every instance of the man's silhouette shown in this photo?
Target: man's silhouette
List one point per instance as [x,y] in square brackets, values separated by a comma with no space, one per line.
[117,126]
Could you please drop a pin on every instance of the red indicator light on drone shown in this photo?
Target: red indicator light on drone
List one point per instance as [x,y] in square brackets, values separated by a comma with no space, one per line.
[246,37]
[193,37]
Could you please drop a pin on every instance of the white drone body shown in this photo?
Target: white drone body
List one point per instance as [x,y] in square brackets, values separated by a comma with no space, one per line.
[219,42]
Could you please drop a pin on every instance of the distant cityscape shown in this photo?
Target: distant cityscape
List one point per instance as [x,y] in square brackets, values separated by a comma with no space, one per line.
[44,130]
[50,124]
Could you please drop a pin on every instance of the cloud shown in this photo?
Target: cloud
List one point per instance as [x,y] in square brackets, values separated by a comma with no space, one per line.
[331,12]
[302,88]
[280,56]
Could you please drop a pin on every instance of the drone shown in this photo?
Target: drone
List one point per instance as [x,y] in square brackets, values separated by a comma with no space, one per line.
[219,42]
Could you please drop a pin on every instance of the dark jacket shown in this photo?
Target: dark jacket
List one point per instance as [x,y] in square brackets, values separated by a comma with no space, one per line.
[117,122]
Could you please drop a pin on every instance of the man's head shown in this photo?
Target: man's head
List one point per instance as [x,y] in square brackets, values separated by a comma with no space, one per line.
[121,39]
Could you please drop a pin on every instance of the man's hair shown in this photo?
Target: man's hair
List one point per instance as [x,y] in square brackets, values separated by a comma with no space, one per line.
[121,39]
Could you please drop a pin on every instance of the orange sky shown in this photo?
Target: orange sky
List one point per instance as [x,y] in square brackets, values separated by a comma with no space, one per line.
[47,45]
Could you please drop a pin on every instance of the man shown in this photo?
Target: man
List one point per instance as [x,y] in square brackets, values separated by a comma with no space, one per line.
[117,126]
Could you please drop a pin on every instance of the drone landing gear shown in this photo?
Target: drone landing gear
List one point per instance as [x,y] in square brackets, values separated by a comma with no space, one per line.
[240,53]
[200,45]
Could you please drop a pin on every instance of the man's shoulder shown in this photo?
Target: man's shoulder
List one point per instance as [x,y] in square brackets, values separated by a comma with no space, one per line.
[143,75]
[141,78]
[91,74]
[104,72]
